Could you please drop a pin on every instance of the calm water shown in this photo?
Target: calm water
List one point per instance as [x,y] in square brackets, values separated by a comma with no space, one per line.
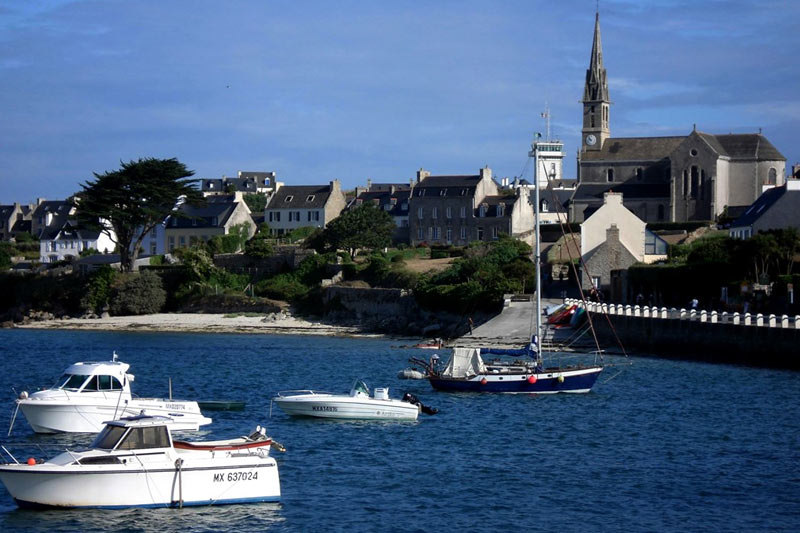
[664,446]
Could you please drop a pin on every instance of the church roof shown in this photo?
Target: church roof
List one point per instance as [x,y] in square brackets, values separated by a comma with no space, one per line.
[634,149]
[595,191]
[743,146]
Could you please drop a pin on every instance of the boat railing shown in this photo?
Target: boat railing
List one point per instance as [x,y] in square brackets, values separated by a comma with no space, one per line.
[295,392]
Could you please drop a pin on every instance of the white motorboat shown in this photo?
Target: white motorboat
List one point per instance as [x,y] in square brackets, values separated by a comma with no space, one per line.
[134,462]
[358,405]
[90,393]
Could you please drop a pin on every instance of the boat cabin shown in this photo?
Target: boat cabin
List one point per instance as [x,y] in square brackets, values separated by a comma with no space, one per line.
[95,377]
[134,433]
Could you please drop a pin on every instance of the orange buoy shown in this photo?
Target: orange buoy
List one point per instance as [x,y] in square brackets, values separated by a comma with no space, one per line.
[531,379]
[483,381]
[31,461]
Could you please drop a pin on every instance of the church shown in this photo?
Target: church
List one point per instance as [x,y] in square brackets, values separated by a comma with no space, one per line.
[695,177]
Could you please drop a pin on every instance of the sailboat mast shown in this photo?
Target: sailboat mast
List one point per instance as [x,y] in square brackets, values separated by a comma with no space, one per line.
[537,251]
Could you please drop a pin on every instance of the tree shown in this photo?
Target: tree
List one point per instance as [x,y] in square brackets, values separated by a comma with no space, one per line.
[366,226]
[259,245]
[131,201]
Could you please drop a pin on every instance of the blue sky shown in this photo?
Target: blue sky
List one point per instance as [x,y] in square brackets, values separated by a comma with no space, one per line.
[317,90]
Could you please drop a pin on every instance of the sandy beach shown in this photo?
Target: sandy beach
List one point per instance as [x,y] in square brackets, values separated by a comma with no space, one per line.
[200,323]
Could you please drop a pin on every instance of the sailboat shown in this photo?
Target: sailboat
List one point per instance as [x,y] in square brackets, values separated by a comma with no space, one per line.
[467,371]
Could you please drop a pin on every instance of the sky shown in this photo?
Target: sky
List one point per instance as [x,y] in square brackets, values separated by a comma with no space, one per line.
[351,90]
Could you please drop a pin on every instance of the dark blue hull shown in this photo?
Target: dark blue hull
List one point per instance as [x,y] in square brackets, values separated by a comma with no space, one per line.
[571,380]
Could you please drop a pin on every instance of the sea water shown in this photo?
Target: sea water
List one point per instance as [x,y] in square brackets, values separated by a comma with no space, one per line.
[658,445]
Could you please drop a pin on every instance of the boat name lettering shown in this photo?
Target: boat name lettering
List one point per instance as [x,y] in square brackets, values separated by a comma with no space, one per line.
[176,406]
[236,476]
[324,408]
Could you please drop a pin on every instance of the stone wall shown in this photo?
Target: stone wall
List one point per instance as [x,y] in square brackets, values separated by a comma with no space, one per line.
[284,258]
[758,340]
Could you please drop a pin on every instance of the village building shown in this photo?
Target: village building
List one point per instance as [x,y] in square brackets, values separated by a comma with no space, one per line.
[777,208]
[200,223]
[296,206]
[393,198]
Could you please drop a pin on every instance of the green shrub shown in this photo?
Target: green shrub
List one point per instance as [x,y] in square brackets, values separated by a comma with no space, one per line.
[98,289]
[138,294]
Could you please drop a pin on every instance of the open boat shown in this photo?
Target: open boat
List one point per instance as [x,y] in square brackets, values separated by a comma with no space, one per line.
[134,462]
[89,393]
[466,369]
[358,404]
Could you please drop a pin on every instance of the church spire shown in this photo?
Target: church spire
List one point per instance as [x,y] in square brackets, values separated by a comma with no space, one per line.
[596,88]
[596,103]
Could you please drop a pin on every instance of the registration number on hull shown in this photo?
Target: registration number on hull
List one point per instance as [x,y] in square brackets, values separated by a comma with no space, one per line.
[236,476]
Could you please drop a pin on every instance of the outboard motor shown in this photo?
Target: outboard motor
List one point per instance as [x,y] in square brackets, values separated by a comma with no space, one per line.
[410,398]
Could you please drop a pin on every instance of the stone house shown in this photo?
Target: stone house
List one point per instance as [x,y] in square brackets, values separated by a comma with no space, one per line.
[15,219]
[392,198]
[460,209]
[777,208]
[298,206]
[614,238]
[201,223]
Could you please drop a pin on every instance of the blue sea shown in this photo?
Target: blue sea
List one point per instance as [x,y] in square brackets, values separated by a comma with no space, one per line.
[658,445]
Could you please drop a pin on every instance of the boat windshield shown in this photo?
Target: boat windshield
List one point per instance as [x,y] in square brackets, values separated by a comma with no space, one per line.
[108,438]
[70,381]
[359,386]
[97,383]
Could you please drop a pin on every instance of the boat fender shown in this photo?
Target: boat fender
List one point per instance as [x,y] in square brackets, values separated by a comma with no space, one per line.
[531,379]
[561,379]
[31,461]
[23,395]
[483,381]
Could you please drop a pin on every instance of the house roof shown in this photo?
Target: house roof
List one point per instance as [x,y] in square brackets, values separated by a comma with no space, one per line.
[203,216]
[383,198]
[765,202]
[493,203]
[634,149]
[447,186]
[60,210]
[300,197]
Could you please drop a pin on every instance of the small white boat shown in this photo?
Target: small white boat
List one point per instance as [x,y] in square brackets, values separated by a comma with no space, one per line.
[356,405]
[134,462]
[90,393]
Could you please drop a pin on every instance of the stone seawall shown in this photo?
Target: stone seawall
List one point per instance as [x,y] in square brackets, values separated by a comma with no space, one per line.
[772,342]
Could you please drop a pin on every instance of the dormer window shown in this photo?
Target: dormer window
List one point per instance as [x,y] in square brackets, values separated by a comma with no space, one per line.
[443,192]
[482,210]
[288,198]
[210,185]
[421,192]
[310,198]
[501,210]
[393,201]
[463,192]
[545,207]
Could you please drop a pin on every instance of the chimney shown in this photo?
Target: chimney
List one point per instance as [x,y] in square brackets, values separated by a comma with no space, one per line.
[486,173]
[612,198]
[336,186]
[369,184]
[614,246]
[422,174]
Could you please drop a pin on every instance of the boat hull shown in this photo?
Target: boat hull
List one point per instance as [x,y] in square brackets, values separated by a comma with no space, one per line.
[79,415]
[347,407]
[130,485]
[571,380]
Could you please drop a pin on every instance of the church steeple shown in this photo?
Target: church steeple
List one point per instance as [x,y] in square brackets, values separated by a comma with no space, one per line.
[596,102]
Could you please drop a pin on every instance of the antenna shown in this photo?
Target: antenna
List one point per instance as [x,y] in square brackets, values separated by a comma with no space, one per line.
[546,117]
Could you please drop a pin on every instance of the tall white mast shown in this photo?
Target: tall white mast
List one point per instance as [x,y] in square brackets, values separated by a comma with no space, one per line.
[537,254]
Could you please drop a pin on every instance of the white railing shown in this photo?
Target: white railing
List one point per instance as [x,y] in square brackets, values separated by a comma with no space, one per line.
[691,315]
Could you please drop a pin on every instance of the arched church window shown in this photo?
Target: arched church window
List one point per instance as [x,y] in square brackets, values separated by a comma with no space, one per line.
[772,179]
[639,174]
[610,174]
[660,211]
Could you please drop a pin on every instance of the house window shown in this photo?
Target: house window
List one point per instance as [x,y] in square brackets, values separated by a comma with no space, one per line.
[463,213]
[430,233]
[449,212]
[639,174]
[480,234]
[449,235]
[309,216]
[420,233]
[316,216]
[419,213]
[182,241]
[288,198]
[482,210]
[435,213]
[443,192]
[463,233]
[495,233]
[152,248]
[278,216]
[501,210]
[463,192]
[545,207]
[610,174]
[437,233]
[421,192]
[310,198]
